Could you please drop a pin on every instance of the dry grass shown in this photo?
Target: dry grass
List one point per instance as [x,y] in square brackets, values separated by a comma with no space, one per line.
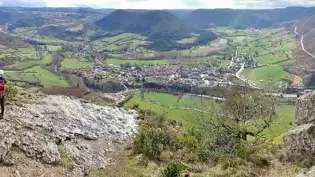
[124,164]
[297,81]
[66,161]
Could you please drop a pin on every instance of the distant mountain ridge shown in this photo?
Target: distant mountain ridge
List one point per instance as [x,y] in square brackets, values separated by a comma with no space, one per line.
[8,17]
[205,18]
[144,22]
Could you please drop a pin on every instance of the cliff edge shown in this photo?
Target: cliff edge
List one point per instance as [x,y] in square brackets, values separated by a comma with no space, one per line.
[61,136]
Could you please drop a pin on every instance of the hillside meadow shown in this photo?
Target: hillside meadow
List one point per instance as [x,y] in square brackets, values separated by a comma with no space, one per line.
[188,108]
[37,75]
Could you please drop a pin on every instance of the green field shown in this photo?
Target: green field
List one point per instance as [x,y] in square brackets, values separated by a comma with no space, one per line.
[37,74]
[187,40]
[76,28]
[175,108]
[271,48]
[263,42]
[53,41]
[119,42]
[213,60]
[268,73]
[53,47]
[285,47]
[136,62]
[270,59]
[22,54]
[166,104]
[46,60]
[286,115]
[71,63]
[125,36]
[228,31]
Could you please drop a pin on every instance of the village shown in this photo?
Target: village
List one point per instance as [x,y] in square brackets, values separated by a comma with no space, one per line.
[134,76]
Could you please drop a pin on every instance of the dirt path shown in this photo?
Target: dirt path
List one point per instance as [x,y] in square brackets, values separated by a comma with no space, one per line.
[238,75]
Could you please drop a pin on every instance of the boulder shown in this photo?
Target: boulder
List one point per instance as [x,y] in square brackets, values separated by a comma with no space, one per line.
[85,132]
[299,142]
[305,109]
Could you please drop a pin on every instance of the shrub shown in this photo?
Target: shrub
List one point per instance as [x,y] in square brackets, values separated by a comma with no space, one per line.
[173,170]
[149,143]
[225,144]
[156,135]
[259,155]
[165,141]
[11,92]
[135,106]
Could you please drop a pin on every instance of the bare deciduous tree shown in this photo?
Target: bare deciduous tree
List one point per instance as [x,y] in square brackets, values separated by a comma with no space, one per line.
[243,114]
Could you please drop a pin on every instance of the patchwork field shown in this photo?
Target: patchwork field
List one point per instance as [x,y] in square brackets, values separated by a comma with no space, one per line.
[265,76]
[37,75]
[127,41]
[71,63]
[213,60]
[46,60]
[270,59]
[21,54]
[53,41]
[270,48]
[187,108]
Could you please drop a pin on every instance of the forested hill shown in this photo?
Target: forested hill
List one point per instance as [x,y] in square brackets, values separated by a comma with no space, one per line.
[203,18]
[142,22]
[8,17]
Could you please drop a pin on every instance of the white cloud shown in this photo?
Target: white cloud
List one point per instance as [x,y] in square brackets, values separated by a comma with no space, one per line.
[161,4]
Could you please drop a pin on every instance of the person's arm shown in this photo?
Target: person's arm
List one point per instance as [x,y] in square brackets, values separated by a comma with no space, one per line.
[5,81]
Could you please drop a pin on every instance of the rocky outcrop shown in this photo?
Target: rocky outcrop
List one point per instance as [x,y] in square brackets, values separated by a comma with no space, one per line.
[300,140]
[58,130]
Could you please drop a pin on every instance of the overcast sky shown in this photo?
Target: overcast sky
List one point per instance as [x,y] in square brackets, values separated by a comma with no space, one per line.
[159,4]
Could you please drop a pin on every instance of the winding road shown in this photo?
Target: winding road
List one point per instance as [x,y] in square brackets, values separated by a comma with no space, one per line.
[302,43]
[238,75]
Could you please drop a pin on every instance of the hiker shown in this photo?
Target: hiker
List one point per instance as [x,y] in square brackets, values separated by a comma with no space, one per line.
[2,92]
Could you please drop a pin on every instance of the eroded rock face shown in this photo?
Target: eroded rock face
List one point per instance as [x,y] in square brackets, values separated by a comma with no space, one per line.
[300,140]
[85,132]
[305,109]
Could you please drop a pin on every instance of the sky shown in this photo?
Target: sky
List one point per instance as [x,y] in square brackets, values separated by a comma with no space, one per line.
[160,4]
